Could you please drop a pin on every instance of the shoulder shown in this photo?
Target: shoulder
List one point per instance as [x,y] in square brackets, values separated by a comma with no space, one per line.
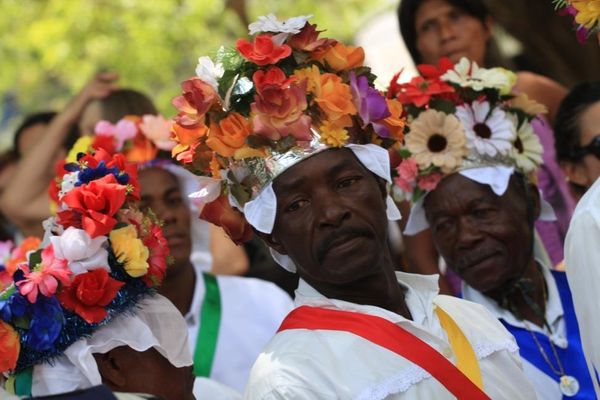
[254,288]
[485,333]
[530,82]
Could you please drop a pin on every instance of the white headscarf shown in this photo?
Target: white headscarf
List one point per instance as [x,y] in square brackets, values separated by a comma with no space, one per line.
[156,324]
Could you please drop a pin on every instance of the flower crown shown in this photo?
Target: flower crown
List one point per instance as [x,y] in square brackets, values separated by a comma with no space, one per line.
[585,13]
[272,101]
[102,255]
[462,116]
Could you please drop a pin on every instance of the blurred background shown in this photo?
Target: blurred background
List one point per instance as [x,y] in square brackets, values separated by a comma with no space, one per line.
[50,48]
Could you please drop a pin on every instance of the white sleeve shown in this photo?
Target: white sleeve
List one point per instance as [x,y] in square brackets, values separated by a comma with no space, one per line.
[582,260]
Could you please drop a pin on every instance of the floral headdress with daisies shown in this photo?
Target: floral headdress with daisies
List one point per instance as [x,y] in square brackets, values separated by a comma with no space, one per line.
[461,117]
[99,258]
[270,102]
[585,14]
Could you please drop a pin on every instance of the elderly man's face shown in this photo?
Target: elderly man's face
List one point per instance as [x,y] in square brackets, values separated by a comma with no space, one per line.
[486,239]
[331,218]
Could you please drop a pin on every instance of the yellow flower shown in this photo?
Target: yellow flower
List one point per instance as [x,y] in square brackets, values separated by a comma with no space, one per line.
[588,12]
[437,138]
[312,76]
[334,133]
[82,145]
[528,106]
[130,250]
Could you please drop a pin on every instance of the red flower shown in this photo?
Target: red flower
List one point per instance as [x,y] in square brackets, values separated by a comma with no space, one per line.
[308,40]
[432,72]
[118,161]
[10,347]
[220,213]
[159,251]
[96,202]
[419,90]
[54,187]
[105,142]
[89,293]
[263,51]
[272,78]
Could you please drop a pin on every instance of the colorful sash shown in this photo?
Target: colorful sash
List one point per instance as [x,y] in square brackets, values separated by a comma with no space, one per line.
[386,334]
[571,358]
[208,333]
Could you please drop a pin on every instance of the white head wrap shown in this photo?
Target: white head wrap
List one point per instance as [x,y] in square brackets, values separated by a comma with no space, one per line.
[155,324]
[496,177]
[261,212]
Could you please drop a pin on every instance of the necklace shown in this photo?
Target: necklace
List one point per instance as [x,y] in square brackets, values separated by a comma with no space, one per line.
[569,385]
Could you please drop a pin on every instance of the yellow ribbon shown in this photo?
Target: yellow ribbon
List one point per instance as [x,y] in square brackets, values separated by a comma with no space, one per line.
[466,360]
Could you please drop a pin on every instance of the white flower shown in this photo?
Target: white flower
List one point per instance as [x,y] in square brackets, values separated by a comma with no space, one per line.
[270,23]
[488,133]
[527,151]
[209,72]
[158,130]
[210,190]
[81,251]
[468,74]
[68,183]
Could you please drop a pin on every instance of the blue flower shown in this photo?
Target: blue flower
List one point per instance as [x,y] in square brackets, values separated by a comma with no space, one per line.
[91,174]
[46,323]
[15,307]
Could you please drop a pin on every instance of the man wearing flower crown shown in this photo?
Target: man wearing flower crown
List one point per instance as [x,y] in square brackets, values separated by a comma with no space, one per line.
[467,165]
[289,130]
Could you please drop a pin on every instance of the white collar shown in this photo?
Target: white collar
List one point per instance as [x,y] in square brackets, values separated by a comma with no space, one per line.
[420,294]
[554,309]
[192,317]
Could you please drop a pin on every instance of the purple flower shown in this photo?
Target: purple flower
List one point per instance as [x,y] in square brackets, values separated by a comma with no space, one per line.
[370,103]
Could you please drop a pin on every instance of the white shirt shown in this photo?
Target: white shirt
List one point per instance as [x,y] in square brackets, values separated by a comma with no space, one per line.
[582,261]
[322,364]
[545,387]
[251,312]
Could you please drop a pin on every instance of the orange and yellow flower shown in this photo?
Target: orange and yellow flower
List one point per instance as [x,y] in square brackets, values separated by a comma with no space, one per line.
[334,133]
[395,122]
[341,57]
[334,97]
[229,134]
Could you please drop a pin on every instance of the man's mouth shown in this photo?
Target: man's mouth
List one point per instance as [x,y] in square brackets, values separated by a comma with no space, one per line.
[473,260]
[340,243]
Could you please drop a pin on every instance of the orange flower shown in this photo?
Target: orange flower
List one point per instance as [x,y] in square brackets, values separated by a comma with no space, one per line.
[196,99]
[334,97]
[187,138]
[395,123]
[229,134]
[141,150]
[19,254]
[341,57]
[10,347]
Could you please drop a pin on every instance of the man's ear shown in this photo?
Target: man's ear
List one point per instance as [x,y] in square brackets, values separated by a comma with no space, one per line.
[112,368]
[271,241]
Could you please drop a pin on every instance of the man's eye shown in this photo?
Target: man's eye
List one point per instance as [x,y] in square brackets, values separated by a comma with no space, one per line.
[344,183]
[296,205]
[482,212]
[426,27]
[175,201]
[442,226]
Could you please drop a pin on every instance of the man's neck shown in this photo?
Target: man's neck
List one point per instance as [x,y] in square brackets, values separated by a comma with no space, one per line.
[518,301]
[179,288]
[380,290]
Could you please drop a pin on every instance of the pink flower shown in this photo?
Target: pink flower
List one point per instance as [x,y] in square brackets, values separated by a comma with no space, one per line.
[429,182]
[121,132]
[407,174]
[44,280]
[158,130]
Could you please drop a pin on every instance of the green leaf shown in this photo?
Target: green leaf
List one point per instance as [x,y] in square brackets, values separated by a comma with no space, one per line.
[443,105]
[21,322]
[35,259]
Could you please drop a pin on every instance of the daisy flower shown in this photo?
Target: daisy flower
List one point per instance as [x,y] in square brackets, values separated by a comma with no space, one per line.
[527,150]
[437,139]
[489,132]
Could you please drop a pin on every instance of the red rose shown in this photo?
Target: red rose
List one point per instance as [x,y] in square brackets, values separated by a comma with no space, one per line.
[197,97]
[262,51]
[97,202]
[220,213]
[105,142]
[273,78]
[89,293]
[118,161]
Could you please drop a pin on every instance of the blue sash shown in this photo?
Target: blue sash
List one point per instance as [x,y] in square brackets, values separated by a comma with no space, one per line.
[571,358]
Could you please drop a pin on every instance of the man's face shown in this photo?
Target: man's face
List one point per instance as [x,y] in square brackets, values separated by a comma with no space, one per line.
[486,239]
[331,218]
[160,192]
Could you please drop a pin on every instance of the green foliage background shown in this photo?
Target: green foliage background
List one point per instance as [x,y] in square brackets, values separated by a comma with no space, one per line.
[50,48]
